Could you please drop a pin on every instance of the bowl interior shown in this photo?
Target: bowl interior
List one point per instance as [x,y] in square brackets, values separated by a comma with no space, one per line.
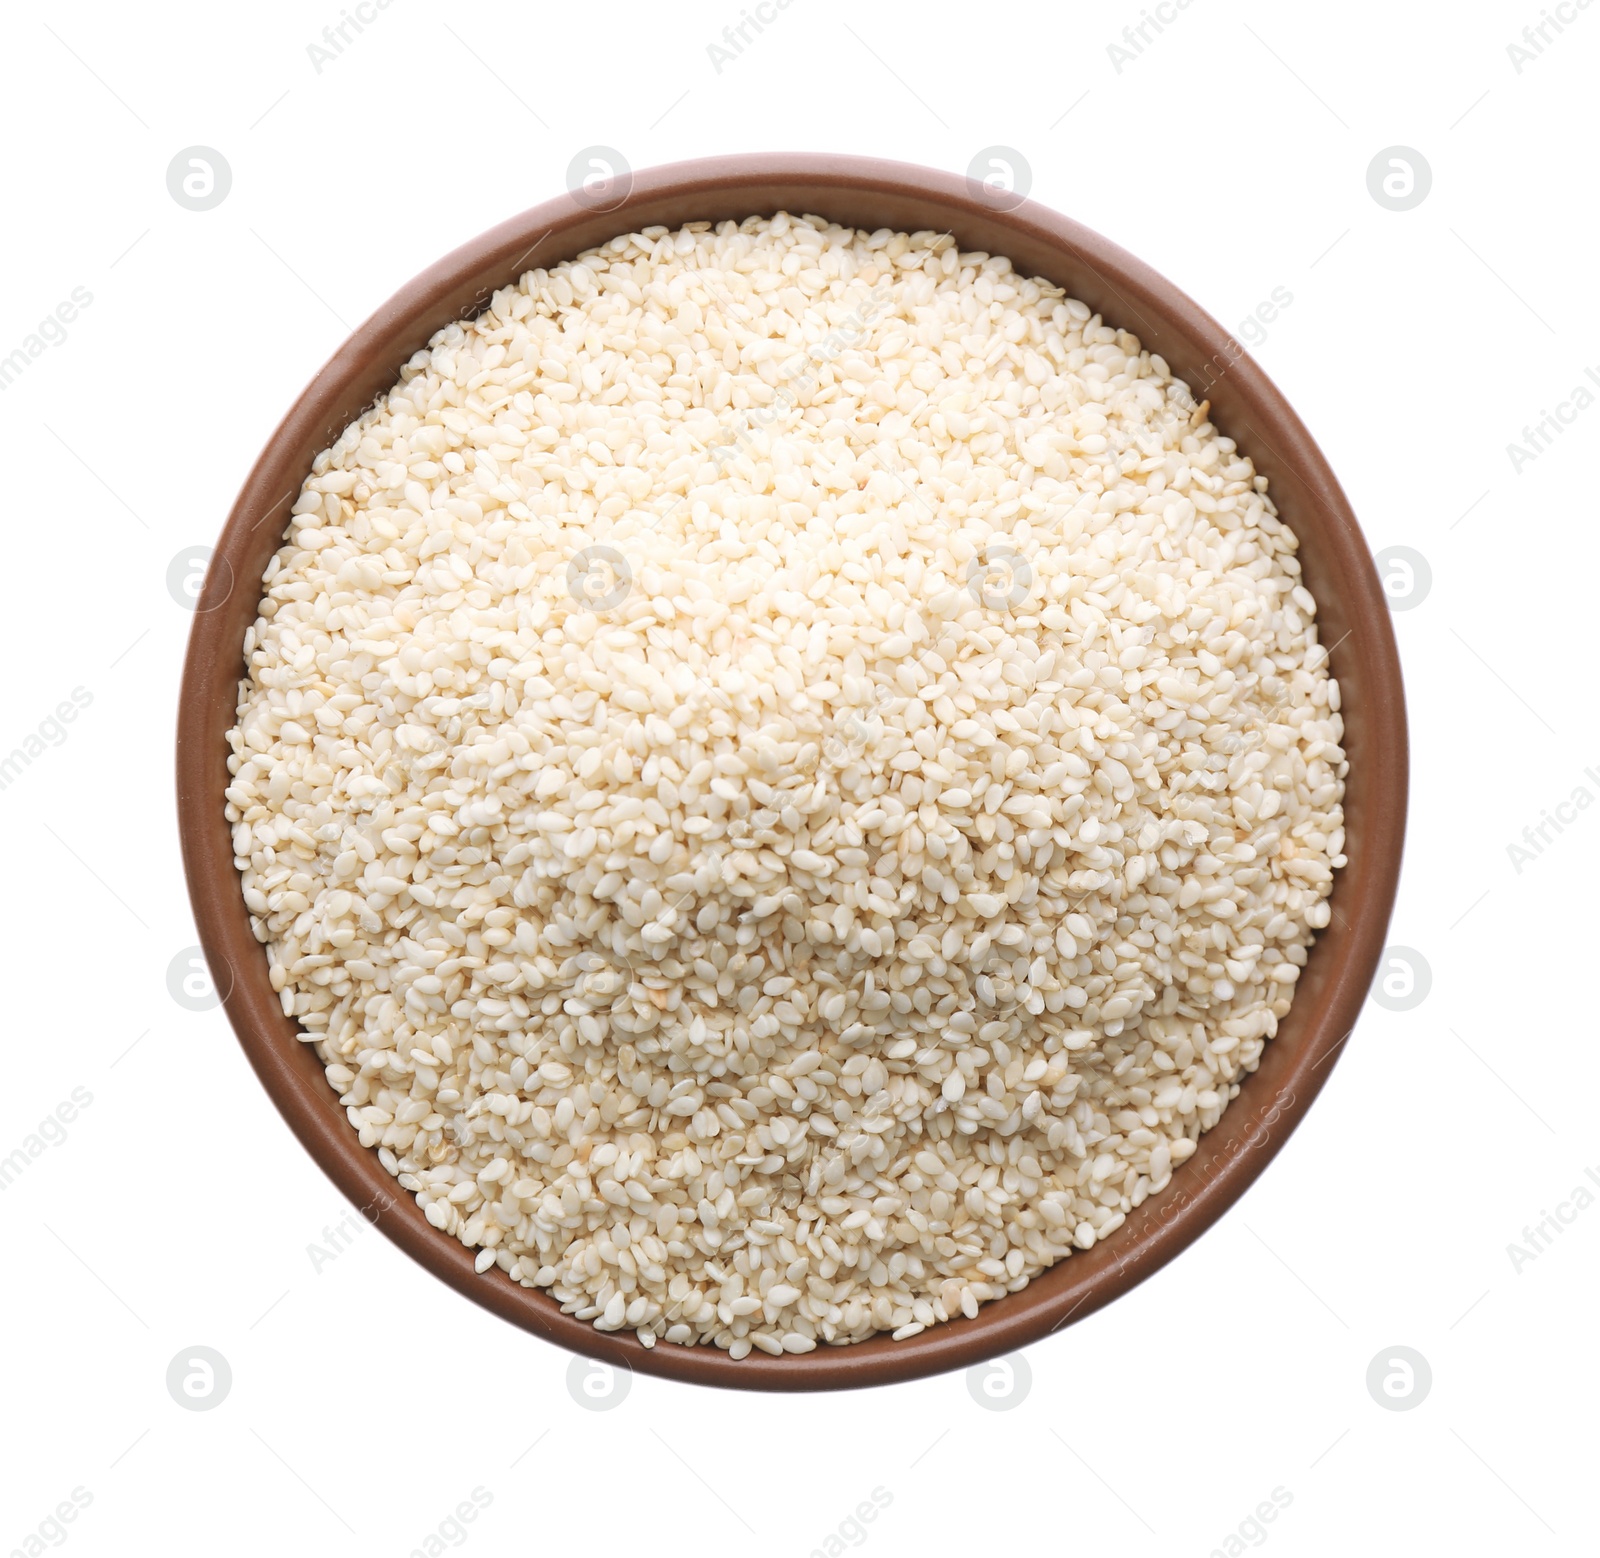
[871,194]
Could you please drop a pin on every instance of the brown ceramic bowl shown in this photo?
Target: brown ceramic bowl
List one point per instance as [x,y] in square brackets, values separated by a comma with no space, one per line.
[870,194]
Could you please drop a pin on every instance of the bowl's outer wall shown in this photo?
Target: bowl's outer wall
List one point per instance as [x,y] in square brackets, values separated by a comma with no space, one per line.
[866,193]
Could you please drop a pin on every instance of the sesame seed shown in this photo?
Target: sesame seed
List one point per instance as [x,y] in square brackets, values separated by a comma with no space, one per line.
[788,774]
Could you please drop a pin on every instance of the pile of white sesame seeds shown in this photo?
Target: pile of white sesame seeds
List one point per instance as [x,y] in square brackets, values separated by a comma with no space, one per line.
[788,773]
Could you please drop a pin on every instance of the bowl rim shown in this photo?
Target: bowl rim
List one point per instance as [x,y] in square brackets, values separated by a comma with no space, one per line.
[1245,405]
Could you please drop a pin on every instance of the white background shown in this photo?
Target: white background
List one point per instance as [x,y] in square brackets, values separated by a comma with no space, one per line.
[367,1400]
